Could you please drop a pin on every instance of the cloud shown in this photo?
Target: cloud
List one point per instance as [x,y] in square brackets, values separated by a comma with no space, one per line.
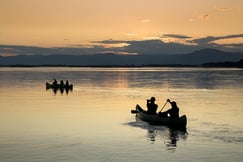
[109,41]
[8,54]
[210,39]
[157,47]
[231,36]
[222,8]
[145,20]
[129,34]
[191,20]
[176,36]
[31,50]
[132,47]
[25,50]
[119,53]
[204,17]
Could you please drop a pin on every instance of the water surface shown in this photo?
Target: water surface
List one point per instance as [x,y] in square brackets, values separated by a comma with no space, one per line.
[93,122]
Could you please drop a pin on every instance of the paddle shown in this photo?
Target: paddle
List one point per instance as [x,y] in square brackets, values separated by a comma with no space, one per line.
[134,111]
[163,106]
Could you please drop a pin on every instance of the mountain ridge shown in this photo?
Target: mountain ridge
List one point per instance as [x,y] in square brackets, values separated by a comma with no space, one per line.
[108,59]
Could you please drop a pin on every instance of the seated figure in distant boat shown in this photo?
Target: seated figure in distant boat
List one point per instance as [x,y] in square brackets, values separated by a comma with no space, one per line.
[54,82]
[152,107]
[173,112]
[62,84]
[67,84]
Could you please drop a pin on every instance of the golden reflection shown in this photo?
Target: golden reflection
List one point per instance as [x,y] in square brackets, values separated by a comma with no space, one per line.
[122,80]
[118,79]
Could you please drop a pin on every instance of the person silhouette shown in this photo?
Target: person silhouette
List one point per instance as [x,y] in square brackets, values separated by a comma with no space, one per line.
[67,84]
[151,106]
[173,112]
[54,82]
[62,85]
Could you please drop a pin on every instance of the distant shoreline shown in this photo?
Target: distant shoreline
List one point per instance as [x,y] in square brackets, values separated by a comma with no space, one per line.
[206,65]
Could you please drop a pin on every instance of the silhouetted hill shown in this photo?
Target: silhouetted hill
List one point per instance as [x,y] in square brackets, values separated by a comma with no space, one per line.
[241,63]
[222,64]
[195,58]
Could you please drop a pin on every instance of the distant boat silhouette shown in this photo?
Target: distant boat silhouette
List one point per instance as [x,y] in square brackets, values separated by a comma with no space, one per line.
[58,86]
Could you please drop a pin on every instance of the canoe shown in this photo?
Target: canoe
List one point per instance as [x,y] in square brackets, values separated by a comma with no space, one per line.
[58,86]
[178,123]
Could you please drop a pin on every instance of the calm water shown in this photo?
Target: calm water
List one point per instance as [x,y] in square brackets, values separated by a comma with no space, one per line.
[93,123]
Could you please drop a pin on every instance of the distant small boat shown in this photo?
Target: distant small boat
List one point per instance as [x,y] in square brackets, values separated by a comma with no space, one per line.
[178,123]
[58,86]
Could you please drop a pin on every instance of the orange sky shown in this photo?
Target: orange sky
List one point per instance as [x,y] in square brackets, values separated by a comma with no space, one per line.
[52,23]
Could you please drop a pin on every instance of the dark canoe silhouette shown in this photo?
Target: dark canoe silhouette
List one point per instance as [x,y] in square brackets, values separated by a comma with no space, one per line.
[58,86]
[179,123]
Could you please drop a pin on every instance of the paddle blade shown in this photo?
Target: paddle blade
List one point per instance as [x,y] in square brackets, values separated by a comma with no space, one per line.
[134,111]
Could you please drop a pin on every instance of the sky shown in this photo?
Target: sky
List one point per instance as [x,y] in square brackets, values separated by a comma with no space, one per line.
[119,26]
